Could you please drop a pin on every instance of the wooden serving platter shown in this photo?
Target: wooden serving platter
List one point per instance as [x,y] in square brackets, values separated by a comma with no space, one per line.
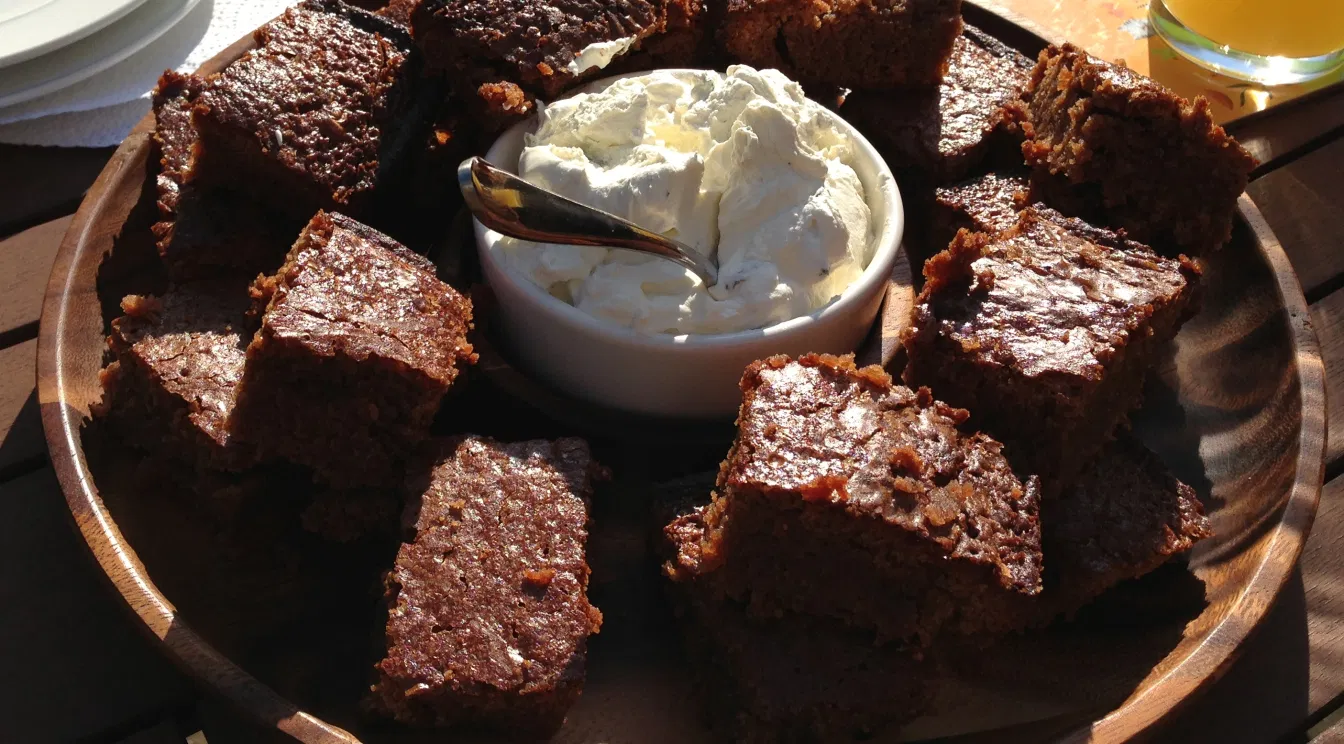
[282,627]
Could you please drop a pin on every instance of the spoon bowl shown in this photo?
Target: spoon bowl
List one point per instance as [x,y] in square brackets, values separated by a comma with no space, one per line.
[513,206]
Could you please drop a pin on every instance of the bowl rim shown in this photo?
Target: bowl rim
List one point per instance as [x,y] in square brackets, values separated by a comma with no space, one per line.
[888,241]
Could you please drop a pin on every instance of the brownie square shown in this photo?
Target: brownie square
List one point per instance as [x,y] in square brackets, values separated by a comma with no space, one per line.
[203,234]
[1124,517]
[1120,149]
[859,44]
[488,616]
[173,383]
[848,497]
[791,678]
[502,54]
[939,134]
[1045,332]
[317,116]
[359,341]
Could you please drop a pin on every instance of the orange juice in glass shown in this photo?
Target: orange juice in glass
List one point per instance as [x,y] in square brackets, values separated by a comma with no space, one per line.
[1266,41]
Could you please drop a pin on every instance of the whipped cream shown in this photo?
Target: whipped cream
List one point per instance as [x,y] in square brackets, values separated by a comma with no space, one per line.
[599,54]
[739,166]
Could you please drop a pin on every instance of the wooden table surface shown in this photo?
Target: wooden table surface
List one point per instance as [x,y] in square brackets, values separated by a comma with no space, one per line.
[73,666]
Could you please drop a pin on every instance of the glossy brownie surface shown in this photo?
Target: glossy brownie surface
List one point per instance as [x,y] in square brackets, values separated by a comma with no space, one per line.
[525,42]
[321,99]
[350,290]
[180,360]
[945,131]
[1044,300]
[821,429]
[489,615]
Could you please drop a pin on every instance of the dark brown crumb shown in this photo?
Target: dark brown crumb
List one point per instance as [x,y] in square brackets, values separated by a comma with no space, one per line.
[489,619]
[792,678]
[173,384]
[846,496]
[940,134]
[317,116]
[858,44]
[358,343]
[1122,150]
[1045,332]
[504,54]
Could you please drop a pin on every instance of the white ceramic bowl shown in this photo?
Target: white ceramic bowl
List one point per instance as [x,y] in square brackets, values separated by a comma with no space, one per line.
[689,376]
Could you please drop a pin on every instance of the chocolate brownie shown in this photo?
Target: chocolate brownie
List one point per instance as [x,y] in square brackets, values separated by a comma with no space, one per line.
[1126,515]
[489,617]
[173,383]
[201,234]
[940,133]
[846,496]
[792,678]
[1046,334]
[318,115]
[359,341]
[501,54]
[1120,149]
[859,44]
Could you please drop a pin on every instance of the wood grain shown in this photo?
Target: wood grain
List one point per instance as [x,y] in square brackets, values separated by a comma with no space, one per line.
[1278,134]
[73,662]
[1328,317]
[20,425]
[1302,202]
[25,262]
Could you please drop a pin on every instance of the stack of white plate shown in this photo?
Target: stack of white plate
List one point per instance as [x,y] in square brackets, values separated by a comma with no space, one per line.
[79,72]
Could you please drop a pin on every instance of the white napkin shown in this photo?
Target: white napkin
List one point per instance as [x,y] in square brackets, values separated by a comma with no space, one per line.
[102,109]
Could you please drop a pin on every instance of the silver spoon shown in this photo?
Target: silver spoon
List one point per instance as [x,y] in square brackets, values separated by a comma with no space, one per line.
[510,205]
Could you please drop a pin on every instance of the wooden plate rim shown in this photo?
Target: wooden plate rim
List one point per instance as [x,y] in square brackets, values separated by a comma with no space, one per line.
[119,562]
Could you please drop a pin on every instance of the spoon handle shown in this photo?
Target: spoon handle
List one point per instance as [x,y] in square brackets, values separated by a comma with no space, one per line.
[512,206]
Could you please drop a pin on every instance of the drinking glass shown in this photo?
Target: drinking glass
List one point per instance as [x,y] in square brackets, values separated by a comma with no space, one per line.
[1272,42]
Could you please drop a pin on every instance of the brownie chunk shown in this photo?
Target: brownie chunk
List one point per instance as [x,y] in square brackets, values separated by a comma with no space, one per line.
[505,53]
[358,343]
[1126,515]
[174,381]
[793,678]
[489,617]
[859,44]
[988,204]
[846,496]
[204,234]
[318,115]
[939,134]
[1122,150]
[1046,334]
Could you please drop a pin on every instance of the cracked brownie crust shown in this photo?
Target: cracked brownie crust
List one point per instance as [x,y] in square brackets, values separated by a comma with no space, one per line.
[317,115]
[940,133]
[846,496]
[179,360]
[1045,334]
[359,341]
[1122,150]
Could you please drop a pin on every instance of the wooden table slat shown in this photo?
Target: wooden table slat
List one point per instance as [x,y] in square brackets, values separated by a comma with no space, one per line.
[1328,318]
[1302,203]
[25,263]
[1281,132]
[20,422]
[74,662]
[40,183]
